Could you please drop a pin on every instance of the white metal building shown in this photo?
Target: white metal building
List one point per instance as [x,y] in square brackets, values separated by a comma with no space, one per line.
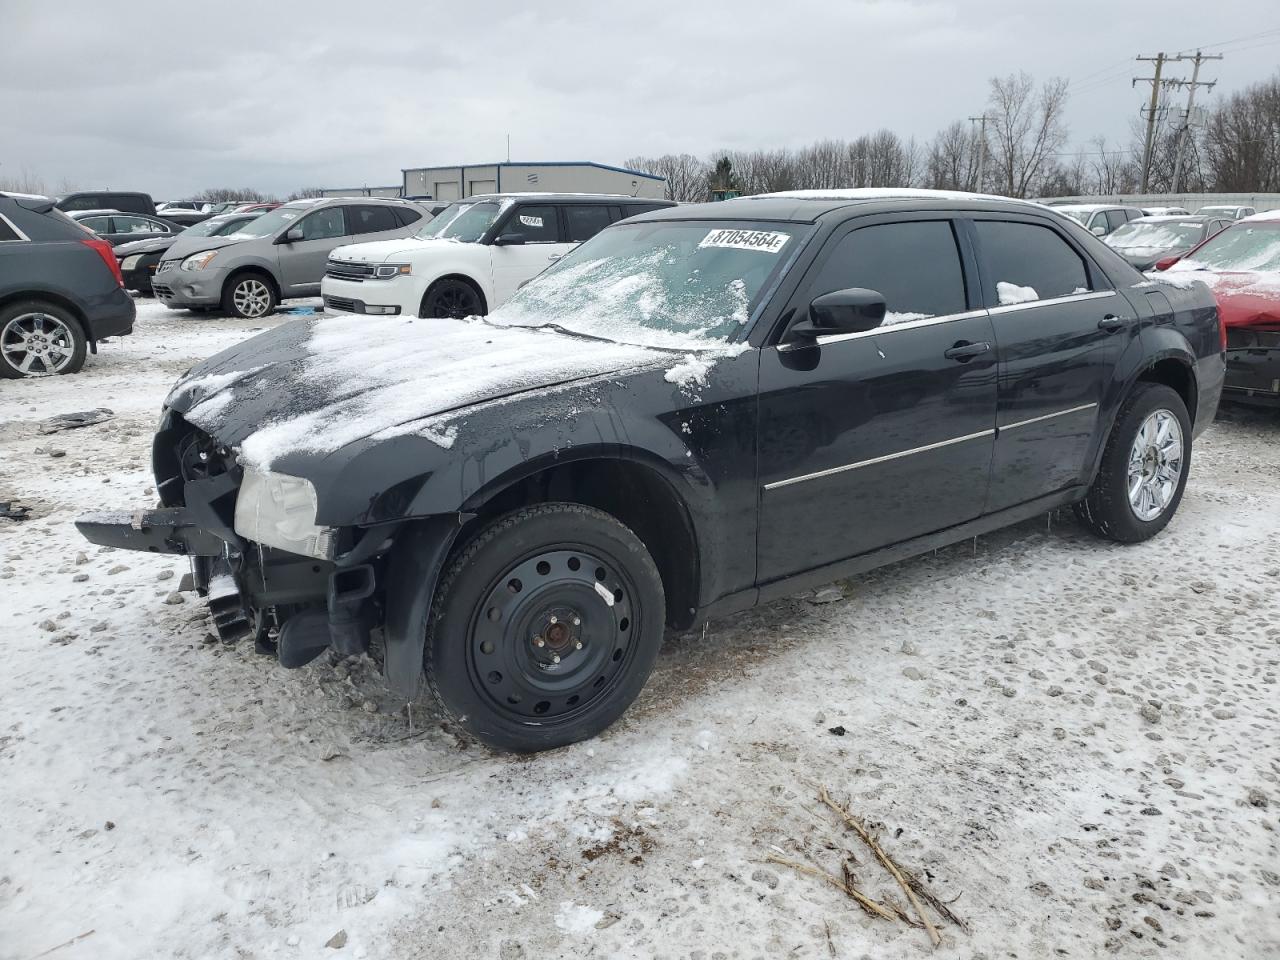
[389,193]
[1192,201]
[456,182]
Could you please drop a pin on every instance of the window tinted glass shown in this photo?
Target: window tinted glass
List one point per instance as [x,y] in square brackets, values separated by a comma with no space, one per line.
[1116,218]
[915,266]
[372,219]
[7,232]
[136,225]
[82,203]
[536,223]
[323,224]
[1023,261]
[406,216]
[585,221]
[97,224]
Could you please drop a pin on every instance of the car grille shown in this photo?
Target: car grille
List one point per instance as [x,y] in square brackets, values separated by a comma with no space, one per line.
[340,303]
[163,291]
[166,266]
[347,270]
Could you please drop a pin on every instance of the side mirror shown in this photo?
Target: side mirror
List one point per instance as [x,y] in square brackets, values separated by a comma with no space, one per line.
[1098,231]
[509,240]
[1166,263]
[842,311]
[292,235]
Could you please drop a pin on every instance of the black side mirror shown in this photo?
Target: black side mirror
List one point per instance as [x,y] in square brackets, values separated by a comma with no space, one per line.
[842,311]
[509,240]
[292,235]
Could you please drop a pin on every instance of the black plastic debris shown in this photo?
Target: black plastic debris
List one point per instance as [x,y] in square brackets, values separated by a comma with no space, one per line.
[838,731]
[12,511]
[70,421]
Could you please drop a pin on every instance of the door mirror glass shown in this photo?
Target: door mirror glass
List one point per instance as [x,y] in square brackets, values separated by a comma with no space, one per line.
[509,239]
[293,235]
[843,311]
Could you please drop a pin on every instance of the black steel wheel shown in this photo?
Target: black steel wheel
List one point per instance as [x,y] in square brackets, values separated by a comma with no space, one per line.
[545,627]
[452,298]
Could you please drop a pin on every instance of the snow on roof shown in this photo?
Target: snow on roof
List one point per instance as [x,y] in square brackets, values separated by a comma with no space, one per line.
[1262,217]
[882,193]
[1084,206]
[23,196]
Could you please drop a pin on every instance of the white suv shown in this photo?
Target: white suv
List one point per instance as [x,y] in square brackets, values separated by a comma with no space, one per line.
[473,256]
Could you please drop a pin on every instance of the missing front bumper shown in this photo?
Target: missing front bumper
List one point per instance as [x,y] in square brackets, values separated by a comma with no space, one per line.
[167,530]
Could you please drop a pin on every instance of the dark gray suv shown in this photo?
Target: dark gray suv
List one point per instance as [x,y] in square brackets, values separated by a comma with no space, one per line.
[60,290]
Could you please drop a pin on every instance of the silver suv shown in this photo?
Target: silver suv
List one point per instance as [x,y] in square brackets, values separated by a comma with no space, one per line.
[278,255]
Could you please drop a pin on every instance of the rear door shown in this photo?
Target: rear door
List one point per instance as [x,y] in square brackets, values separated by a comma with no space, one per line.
[1060,328]
[871,438]
[370,222]
[302,262]
[538,226]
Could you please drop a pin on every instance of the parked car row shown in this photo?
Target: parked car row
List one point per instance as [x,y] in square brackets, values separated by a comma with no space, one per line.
[1102,219]
[700,408]
[140,259]
[1149,241]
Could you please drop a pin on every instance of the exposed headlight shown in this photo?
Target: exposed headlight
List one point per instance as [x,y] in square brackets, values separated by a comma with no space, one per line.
[128,263]
[198,261]
[386,271]
[280,511]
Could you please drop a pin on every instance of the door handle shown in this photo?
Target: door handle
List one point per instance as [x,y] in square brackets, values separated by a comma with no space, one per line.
[1110,322]
[964,351]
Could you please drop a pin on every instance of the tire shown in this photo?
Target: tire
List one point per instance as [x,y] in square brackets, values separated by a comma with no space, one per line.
[249,296]
[454,298]
[557,580]
[39,339]
[1110,509]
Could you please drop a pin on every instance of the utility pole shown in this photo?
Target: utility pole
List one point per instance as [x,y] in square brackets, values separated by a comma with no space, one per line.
[1185,130]
[982,148]
[1159,60]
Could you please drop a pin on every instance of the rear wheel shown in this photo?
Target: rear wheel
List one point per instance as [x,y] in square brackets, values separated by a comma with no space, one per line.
[38,339]
[545,627]
[249,296]
[452,298]
[1144,467]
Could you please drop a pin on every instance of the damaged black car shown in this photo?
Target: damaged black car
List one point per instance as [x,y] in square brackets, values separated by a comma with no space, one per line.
[700,409]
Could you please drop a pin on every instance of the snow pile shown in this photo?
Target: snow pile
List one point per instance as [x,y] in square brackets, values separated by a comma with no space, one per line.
[891,318]
[577,918]
[1011,293]
[1182,282]
[693,371]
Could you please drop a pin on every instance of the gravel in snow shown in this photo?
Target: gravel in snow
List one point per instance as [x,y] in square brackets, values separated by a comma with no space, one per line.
[1079,741]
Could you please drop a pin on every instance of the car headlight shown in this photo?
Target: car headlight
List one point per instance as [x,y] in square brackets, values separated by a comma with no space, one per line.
[128,263]
[385,271]
[277,510]
[198,261]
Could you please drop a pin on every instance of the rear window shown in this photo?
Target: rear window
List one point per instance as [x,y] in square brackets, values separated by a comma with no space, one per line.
[7,232]
[1023,262]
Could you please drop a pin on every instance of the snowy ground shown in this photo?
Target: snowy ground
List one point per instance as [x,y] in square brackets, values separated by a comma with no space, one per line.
[1080,742]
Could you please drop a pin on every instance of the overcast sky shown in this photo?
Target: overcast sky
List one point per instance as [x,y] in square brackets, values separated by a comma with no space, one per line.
[172,97]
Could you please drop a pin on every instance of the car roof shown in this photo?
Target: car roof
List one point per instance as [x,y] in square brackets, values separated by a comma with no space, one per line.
[558,197]
[81,214]
[1091,207]
[304,202]
[807,206]
[1173,217]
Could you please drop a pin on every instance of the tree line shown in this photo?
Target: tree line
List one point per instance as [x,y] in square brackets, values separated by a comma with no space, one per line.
[1018,152]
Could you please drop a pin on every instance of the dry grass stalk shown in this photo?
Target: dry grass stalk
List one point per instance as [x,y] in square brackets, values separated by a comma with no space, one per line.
[866,837]
[850,890]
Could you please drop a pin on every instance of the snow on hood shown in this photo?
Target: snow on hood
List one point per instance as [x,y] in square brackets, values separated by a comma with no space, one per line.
[143,246]
[185,246]
[316,385]
[380,251]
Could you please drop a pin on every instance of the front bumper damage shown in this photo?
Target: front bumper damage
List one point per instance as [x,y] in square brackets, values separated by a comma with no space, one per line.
[291,606]
[1253,365]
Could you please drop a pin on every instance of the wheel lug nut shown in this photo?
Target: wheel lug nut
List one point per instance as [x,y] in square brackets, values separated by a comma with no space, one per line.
[578,645]
[539,642]
[555,658]
[577,621]
[553,619]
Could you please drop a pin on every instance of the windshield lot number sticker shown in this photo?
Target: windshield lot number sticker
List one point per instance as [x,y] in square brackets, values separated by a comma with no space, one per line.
[529,221]
[766,241]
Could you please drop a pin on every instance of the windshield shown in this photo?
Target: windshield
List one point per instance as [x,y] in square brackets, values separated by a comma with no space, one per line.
[1241,247]
[1079,216]
[269,223]
[662,284]
[214,227]
[464,222]
[1170,235]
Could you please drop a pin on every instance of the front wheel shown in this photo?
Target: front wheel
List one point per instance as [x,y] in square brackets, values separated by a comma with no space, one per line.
[545,627]
[1144,467]
[452,298]
[249,297]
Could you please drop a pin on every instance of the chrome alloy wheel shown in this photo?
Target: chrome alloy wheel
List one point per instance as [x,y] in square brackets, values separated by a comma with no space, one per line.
[1155,465]
[252,298]
[37,344]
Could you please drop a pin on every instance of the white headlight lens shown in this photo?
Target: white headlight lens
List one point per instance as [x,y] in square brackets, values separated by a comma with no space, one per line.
[198,261]
[280,511]
[386,271]
[128,263]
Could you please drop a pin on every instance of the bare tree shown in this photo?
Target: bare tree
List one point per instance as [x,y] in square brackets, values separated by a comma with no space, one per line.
[1242,140]
[24,181]
[306,193]
[686,175]
[1026,129]
[1111,171]
[222,194]
[951,159]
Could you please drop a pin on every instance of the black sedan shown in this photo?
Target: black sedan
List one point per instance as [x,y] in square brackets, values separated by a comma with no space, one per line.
[697,410]
[139,258]
[117,228]
[1147,241]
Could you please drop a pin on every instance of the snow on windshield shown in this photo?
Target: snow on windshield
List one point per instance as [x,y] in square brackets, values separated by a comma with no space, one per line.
[1239,248]
[667,284]
[1163,236]
[375,376]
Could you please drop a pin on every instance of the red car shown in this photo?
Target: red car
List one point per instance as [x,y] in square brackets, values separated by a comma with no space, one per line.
[1242,266]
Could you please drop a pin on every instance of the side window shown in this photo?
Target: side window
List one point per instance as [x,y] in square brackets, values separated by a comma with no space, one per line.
[585,220]
[406,216]
[323,224]
[1025,261]
[97,224]
[1116,219]
[7,232]
[536,223]
[915,265]
[372,219]
[136,225]
[82,203]
[1133,214]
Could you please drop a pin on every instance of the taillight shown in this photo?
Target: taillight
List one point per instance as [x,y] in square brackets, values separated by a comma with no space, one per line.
[108,257]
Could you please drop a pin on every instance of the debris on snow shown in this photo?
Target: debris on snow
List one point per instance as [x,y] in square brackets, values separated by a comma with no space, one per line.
[577,918]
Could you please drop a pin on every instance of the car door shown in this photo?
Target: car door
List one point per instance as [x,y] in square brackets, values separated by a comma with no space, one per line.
[526,241]
[871,438]
[1060,328]
[302,261]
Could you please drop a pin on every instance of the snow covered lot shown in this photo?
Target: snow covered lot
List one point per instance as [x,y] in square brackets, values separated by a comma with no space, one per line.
[1080,742]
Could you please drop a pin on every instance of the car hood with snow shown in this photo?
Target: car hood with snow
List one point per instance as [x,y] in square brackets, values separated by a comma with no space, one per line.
[402,248]
[151,245]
